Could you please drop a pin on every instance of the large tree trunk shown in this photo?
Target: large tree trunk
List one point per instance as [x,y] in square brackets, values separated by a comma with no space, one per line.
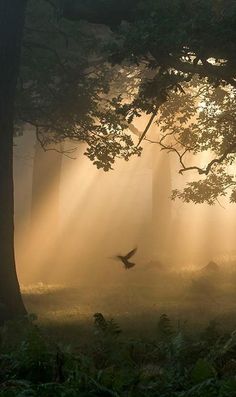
[11,26]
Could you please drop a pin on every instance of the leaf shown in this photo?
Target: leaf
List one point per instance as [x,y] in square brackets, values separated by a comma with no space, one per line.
[228,388]
[202,371]
[209,388]
[231,343]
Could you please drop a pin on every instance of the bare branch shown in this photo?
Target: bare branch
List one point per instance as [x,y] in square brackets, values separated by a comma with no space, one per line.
[46,148]
[148,125]
[208,168]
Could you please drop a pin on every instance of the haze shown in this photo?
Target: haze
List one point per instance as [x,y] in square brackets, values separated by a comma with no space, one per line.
[73,219]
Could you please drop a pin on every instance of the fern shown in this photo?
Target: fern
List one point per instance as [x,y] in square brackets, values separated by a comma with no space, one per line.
[106,327]
[164,328]
[173,365]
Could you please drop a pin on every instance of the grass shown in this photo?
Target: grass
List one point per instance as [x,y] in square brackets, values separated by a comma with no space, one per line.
[144,341]
[136,303]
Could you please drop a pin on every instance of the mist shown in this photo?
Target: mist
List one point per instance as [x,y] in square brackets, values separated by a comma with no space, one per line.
[72,220]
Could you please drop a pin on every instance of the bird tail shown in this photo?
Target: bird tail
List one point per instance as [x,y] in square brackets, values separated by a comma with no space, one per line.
[113,257]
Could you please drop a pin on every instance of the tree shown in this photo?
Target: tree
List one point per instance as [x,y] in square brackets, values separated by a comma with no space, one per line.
[202,122]
[65,87]
[45,207]
[167,44]
[189,50]
[161,194]
[57,91]
[11,30]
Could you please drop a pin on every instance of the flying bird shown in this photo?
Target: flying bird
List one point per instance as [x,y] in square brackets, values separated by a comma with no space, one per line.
[125,259]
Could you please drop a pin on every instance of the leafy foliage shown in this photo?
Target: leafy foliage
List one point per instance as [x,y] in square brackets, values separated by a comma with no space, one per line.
[65,85]
[172,60]
[188,49]
[106,327]
[200,121]
[178,366]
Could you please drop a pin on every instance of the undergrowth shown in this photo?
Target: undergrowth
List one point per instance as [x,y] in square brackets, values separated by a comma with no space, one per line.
[174,364]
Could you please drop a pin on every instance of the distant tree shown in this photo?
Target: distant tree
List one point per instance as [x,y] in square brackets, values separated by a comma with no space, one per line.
[45,206]
[161,205]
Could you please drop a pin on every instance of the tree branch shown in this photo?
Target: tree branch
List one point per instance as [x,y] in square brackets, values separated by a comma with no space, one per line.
[206,70]
[208,168]
[148,125]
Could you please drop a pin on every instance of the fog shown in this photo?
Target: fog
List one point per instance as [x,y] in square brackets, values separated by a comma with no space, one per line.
[72,220]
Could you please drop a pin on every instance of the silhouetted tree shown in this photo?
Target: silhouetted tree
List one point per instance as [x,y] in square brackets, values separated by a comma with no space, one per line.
[11,30]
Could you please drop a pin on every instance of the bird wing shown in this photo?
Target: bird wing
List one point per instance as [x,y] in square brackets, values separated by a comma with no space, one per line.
[129,265]
[131,253]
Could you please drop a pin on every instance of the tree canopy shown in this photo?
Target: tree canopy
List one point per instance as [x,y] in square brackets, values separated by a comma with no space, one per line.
[189,50]
[65,83]
[89,83]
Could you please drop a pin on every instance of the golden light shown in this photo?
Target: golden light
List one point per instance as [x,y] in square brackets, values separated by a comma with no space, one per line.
[104,214]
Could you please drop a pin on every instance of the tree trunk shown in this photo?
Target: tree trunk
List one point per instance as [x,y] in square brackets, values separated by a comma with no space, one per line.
[11,27]
[45,211]
[46,182]
[161,204]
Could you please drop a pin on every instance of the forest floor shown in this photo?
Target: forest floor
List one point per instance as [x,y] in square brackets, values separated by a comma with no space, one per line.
[171,335]
[188,298]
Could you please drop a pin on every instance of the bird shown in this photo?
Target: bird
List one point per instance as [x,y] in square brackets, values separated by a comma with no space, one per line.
[125,259]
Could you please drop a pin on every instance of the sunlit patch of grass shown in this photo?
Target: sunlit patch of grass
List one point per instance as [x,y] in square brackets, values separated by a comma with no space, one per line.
[195,296]
[41,288]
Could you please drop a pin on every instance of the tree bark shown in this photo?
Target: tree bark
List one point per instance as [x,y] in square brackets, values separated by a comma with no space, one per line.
[11,27]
